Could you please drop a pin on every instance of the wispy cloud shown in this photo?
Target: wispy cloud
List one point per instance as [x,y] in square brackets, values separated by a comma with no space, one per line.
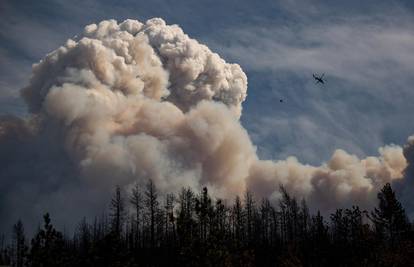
[368,62]
[357,50]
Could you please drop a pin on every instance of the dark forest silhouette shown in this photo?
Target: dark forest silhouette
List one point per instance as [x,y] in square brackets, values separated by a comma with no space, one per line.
[192,229]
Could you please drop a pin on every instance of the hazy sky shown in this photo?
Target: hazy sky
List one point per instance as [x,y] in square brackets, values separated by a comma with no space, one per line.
[364,49]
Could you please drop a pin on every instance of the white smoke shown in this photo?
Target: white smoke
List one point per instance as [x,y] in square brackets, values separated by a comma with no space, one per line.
[134,101]
[343,180]
[140,101]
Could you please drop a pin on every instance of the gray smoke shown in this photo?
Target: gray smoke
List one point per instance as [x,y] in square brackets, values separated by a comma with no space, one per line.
[128,102]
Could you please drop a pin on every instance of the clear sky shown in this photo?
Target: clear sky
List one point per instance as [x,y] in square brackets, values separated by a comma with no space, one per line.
[364,48]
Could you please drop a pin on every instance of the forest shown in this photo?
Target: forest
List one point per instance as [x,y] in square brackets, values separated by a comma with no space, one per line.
[141,228]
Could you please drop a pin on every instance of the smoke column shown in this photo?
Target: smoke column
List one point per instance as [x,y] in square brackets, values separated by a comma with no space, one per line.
[128,102]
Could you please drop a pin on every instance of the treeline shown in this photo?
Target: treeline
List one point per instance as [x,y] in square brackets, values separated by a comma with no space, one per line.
[192,229]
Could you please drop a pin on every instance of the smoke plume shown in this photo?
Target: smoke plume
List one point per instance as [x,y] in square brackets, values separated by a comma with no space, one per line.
[124,103]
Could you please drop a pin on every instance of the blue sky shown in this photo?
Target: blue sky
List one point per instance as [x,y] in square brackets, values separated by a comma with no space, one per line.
[365,49]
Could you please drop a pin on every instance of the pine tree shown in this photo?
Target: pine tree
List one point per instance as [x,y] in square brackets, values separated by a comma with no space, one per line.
[169,219]
[210,233]
[304,220]
[47,248]
[203,209]
[250,210]
[136,200]
[186,226]
[319,238]
[339,227]
[118,212]
[238,220]
[19,247]
[84,240]
[265,212]
[285,215]
[389,217]
[152,208]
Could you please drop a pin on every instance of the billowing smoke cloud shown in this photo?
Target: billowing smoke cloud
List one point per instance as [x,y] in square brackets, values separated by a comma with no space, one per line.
[406,185]
[126,102]
[343,180]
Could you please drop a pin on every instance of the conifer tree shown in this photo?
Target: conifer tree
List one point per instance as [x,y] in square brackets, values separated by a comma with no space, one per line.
[203,209]
[250,209]
[169,219]
[389,217]
[118,212]
[152,209]
[47,248]
[19,246]
[238,219]
[136,200]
